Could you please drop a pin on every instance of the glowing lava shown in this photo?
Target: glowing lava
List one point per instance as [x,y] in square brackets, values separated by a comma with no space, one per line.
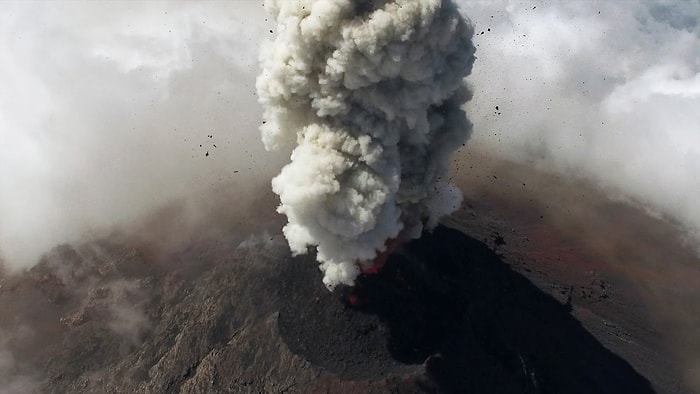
[389,246]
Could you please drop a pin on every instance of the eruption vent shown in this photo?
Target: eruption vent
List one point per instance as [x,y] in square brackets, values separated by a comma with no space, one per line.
[368,94]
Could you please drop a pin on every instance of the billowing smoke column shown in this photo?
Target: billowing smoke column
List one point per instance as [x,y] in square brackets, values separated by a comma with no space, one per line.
[370,95]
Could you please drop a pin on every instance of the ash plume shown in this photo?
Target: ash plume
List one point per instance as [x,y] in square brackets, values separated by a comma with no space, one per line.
[369,96]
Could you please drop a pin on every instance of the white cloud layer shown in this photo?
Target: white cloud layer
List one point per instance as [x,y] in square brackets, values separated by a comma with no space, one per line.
[110,109]
[608,90]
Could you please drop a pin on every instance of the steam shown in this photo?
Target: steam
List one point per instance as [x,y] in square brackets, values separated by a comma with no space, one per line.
[607,91]
[370,92]
[110,110]
[14,378]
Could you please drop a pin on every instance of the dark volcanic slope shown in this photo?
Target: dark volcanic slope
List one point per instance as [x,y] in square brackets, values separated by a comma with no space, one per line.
[449,299]
[445,315]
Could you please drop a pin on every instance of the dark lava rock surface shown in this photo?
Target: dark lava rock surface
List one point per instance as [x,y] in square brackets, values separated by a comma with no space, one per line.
[449,306]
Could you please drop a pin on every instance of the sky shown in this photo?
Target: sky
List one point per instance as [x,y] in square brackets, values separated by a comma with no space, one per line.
[111,110]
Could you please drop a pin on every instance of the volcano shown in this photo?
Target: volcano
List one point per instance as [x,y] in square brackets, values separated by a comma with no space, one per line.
[497,299]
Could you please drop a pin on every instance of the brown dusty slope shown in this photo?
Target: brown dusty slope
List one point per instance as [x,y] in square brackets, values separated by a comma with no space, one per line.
[518,292]
[632,278]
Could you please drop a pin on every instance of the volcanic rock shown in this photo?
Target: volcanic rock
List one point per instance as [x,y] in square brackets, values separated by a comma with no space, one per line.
[445,314]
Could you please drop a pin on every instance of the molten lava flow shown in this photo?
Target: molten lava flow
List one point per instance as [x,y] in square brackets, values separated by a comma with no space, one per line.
[390,245]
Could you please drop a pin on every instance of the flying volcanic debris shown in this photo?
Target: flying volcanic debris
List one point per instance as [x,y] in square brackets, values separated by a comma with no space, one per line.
[368,94]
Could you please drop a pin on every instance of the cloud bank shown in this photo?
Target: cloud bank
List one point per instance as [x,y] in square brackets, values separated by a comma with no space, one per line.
[109,110]
[608,91]
[104,106]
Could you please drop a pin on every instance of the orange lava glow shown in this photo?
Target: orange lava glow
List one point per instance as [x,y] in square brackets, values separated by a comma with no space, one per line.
[354,300]
[390,245]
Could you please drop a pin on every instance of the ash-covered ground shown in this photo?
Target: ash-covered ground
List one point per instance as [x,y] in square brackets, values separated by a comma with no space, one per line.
[517,292]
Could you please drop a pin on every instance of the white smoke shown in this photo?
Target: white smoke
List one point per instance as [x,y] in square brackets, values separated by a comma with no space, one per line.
[370,93]
[605,90]
[109,110]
